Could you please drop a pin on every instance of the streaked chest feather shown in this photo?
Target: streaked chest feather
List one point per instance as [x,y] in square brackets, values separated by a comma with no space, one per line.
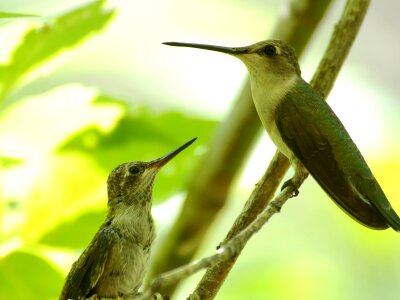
[128,259]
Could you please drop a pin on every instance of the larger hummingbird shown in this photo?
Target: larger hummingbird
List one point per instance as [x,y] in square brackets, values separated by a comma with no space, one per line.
[306,130]
[115,262]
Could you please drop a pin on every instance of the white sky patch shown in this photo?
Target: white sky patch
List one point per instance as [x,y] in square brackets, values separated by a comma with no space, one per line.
[360,109]
[210,80]
[172,205]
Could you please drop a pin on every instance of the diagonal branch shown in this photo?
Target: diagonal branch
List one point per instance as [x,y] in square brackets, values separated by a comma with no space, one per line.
[208,190]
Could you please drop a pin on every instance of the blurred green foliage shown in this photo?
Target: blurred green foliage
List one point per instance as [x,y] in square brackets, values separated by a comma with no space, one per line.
[58,143]
[28,276]
[54,167]
[54,35]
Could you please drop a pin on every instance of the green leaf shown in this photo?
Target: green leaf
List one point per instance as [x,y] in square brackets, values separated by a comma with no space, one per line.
[107,99]
[142,135]
[27,276]
[40,44]
[8,15]
[9,162]
[64,234]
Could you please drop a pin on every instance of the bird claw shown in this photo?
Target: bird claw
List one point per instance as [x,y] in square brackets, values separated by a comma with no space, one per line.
[289,183]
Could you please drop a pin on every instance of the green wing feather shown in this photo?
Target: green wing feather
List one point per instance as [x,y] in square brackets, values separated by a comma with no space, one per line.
[316,136]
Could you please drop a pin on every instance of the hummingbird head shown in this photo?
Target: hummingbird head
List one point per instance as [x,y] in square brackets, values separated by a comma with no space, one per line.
[273,58]
[131,184]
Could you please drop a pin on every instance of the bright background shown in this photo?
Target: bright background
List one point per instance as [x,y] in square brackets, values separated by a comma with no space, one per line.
[120,95]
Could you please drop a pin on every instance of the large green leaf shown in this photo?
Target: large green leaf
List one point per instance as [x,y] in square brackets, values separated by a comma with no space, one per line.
[58,33]
[28,277]
[142,135]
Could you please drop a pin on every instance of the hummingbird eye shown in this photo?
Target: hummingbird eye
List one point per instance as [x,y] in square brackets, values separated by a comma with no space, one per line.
[134,170]
[269,50]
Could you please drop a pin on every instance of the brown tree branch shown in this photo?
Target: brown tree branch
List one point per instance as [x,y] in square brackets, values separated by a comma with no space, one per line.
[208,189]
[339,46]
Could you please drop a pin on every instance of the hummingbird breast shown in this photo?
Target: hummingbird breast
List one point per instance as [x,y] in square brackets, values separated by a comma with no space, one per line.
[128,258]
[124,271]
[267,94]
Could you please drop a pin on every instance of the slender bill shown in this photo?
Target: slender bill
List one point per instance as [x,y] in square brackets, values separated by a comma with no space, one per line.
[228,50]
[159,162]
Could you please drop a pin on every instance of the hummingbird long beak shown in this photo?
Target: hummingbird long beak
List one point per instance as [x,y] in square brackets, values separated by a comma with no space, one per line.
[228,50]
[159,162]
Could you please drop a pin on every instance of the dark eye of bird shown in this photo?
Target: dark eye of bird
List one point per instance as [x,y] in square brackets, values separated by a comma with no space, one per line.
[134,170]
[269,50]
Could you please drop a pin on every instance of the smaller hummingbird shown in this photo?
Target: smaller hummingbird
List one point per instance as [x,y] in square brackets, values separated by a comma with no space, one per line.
[116,260]
[306,130]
